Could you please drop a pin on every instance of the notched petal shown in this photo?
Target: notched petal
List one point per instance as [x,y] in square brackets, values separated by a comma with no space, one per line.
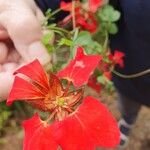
[38,135]
[90,126]
[35,71]
[23,90]
[80,68]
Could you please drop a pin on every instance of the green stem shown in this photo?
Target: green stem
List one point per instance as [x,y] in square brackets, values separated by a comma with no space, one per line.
[55,12]
[139,74]
[48,17]
[75,35]
[76,32]
[58,29]
[67,88]
[105,45]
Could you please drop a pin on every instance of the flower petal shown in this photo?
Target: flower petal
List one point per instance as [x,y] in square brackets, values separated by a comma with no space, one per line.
[118,58]
[56,86]
[80,68]
[38,135]
[94,5]
[92,83]
[35,71]
[23,90]
[66,6]
[90,126]
[89,24]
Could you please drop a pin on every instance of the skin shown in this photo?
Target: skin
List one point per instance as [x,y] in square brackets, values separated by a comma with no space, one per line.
[20,34]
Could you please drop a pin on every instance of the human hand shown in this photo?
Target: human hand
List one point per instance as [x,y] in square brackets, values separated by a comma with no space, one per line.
[20,34]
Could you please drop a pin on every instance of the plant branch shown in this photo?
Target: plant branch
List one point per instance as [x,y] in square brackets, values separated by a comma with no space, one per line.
[73,14]
[139,74]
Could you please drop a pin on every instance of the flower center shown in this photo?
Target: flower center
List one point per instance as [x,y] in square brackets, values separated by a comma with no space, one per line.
[60,101]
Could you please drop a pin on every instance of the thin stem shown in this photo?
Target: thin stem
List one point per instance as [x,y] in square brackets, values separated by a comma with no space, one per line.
[75,35]
[58,29]
[67,88]
[73,14]
[69,109]
[55,12]
[51,116]
[105,45]
[49,16]
[76,32]
[139,74]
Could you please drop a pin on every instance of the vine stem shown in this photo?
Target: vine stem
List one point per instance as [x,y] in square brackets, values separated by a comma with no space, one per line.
[73,14]
[139,74]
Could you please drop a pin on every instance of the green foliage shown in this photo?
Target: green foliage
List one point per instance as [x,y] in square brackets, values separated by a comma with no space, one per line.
[91,46]
[101,79]
[108,16]
[65,42]
[83,38]
[46,40]
[4,114]
[107,84]
[112,28]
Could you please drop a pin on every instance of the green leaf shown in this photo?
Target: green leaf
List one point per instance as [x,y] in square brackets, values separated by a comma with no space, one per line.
[50,48]
[115,16]
[48,12]
[4,115]
[97,47]
[46,39]
[101,79]
[108,14]
[83,38]
[113,29]
[65,41]
[51,25]
[109,86]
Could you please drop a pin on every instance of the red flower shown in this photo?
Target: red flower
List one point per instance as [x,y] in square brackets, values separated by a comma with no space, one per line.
[85,19]
[94,5]
[90,126]
[80,68]
[117,58]
[92,83]
[66,6]
[89,24]
[38,135]
[43,92]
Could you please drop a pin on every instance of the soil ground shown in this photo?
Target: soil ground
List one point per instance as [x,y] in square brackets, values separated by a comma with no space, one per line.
[139,137]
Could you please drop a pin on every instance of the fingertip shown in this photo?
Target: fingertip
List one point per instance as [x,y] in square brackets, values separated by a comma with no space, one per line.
[37,50]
